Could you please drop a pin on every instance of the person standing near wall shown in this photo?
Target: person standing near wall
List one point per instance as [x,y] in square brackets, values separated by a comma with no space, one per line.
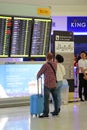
[59,74]
[49,85]
[82,65]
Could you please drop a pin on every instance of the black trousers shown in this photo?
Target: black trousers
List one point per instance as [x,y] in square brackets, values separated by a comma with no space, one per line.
[82,86]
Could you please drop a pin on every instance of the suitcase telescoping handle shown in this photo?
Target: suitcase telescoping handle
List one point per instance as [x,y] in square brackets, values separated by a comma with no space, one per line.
[39,82]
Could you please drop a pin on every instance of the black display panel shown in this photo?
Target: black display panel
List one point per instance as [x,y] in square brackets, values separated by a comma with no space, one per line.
[40,37]
[5,35]
[21,37]
[80,44]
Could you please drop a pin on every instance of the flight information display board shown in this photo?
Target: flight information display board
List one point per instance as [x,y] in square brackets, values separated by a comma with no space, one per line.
[40,37]
[21,37]
[5,35]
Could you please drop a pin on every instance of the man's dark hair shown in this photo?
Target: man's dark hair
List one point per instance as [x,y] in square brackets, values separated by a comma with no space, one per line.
[83,52]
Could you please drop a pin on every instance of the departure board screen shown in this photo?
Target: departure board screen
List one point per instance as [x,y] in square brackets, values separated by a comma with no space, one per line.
[40,37]
[21,36]
[5,35]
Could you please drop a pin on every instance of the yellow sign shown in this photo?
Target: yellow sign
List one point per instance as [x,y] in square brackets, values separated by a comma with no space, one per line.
[43,11]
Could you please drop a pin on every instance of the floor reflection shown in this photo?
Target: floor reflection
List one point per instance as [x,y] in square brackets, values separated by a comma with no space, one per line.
[15,119]
[73,116]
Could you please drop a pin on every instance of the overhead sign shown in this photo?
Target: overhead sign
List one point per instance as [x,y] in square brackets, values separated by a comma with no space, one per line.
[43,11]
[77,24]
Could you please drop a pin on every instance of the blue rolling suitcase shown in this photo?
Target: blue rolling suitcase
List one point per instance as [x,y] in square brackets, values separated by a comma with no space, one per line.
[36,102]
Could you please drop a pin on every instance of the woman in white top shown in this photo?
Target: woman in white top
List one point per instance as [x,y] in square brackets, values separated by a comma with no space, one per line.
[59,74]
[82,65]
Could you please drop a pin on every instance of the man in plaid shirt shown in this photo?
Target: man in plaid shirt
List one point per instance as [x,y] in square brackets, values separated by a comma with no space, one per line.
[49,85]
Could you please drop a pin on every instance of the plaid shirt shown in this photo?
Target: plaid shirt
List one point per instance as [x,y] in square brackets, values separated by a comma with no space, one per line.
[49,76]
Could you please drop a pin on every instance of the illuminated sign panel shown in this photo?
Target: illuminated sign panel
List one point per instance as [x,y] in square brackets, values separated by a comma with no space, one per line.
[5,35]
[77,24]
[21,36]
[40,37]
[17,80]
[43,11]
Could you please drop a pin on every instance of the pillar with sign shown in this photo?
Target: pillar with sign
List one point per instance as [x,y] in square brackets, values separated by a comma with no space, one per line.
[64,45]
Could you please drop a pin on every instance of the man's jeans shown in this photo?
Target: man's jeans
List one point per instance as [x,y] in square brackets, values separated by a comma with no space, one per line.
[47,92]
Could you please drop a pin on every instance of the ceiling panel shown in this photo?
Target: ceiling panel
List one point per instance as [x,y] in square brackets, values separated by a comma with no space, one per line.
[48,2]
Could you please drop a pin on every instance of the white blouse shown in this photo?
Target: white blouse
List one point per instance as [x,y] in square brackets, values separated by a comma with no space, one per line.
[60,71]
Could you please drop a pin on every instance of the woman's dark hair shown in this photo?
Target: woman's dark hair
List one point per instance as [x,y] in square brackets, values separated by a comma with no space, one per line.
[59,58]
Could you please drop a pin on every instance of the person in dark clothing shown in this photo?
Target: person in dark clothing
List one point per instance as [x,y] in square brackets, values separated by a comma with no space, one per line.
[82,65]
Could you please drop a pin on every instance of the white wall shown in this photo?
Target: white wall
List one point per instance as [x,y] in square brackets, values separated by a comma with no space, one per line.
[48,2]
[21,9]
[58,7]
[60,23]
[69,10]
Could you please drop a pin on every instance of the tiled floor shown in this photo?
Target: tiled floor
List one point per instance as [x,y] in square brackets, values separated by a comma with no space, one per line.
[72,117]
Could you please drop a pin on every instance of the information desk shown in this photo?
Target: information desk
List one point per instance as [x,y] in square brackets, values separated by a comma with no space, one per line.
[18,80]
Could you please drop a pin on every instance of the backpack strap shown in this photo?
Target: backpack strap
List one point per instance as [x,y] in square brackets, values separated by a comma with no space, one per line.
[52,68]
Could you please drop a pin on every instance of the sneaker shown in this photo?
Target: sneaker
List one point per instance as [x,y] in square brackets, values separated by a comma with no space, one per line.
[58,110]
[43,115]
[54,113]
[85,99]
[82,100]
